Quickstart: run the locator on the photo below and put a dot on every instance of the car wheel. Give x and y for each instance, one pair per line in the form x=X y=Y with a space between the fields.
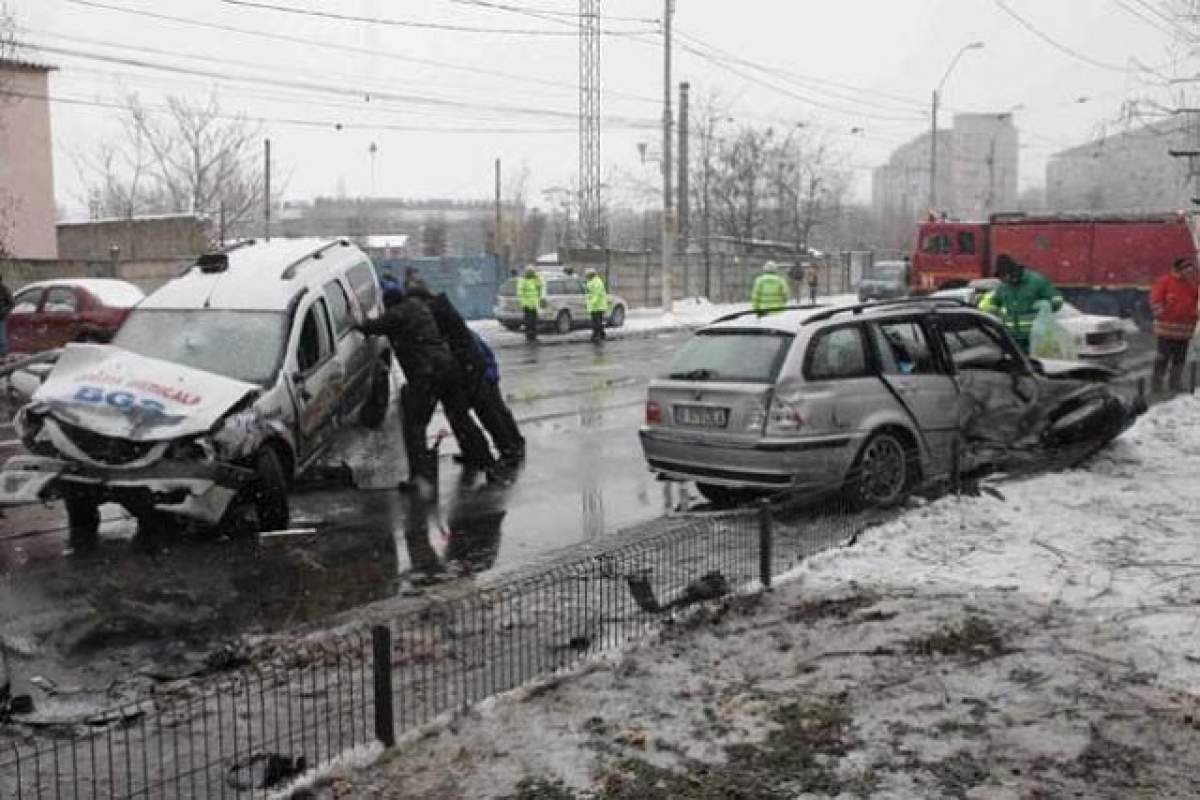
x=562 y=323
x=725 y=496
x=262 y=504
x=881 y=473
x=617 y=318
x=379 y=394
x=83 y=521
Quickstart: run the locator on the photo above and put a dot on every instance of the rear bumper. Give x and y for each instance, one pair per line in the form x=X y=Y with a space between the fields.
x=811 y=461
x=195 y=491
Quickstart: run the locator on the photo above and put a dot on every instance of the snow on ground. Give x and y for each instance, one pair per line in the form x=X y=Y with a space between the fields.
x=1039 y=645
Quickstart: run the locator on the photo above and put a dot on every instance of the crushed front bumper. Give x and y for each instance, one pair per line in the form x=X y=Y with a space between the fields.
x=199 y=491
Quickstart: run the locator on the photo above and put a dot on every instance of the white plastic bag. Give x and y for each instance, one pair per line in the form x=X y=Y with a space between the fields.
x=1048 y=339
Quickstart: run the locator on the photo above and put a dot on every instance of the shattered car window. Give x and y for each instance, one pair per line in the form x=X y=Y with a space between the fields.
x=973 y=344
x=244 y=345
x=903 y=348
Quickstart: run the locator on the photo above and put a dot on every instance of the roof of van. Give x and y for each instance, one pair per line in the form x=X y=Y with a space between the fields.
x=259 y=276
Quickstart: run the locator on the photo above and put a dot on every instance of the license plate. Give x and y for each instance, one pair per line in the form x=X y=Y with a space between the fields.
x=702 y=416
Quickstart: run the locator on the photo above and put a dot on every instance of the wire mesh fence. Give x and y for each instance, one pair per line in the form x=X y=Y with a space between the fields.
x=261 y=726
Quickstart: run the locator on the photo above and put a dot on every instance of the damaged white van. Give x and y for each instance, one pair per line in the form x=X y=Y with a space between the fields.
x=218 y=390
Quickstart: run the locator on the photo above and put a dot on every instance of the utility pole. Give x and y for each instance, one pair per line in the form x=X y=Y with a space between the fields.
x=668 y=216
x=267 y=190
x=684 y=87
x=496 y=245
x=933 y=157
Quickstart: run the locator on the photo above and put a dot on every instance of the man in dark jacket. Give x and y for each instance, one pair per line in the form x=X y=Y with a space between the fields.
x=431 y=375
x=480 y=375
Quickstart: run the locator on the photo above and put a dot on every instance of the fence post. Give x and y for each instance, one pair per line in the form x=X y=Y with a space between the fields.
x=765 y=542
x=381 y=669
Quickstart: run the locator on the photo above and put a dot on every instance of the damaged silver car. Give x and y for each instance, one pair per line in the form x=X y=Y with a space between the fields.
x=216 y=393
x=869 y=400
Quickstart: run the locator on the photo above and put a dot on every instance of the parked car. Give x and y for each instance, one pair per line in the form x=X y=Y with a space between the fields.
x=564 y=310
x=48 y=314
x=218 y=391
x=1096 y=337
x=864 y=399
x=884 y=280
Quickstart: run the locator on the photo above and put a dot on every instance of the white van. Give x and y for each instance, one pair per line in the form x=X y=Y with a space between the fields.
x=218 y=391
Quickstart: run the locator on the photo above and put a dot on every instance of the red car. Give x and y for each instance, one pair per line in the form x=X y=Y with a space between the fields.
x=48 y=314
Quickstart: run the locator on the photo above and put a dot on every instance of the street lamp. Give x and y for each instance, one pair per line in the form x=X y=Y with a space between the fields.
x=934 y=130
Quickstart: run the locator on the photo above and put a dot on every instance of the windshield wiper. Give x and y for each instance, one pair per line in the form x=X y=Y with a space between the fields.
x=701 y=374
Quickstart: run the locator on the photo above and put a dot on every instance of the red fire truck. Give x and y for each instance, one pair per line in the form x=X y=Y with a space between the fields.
x=1104 y=264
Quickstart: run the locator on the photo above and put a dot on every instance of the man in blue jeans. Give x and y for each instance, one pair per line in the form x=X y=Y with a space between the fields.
x=6 y=305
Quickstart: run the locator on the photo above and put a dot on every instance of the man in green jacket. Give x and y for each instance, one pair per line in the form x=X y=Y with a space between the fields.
x=530 y=291
x=1018 y=296
x=597 y=303
x=770 y=292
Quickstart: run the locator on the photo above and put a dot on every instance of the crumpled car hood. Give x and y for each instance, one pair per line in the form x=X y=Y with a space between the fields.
x=117 y=393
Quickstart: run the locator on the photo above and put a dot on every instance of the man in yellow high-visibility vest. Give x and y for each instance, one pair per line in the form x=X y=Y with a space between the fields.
x=770 y=292
x=530 y=291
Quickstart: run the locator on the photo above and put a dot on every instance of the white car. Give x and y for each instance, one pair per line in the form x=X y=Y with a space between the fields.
x=1096 y=337
x=216 y=393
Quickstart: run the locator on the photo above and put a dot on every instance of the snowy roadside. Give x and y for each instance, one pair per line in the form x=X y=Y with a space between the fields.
x=1036 y=645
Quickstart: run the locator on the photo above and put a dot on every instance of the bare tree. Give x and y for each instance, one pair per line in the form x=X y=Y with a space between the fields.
x=184 y=157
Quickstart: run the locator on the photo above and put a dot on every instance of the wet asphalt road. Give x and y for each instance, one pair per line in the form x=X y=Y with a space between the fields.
x=87 y=621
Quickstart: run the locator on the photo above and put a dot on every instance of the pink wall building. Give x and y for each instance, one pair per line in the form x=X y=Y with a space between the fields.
x=27 y=211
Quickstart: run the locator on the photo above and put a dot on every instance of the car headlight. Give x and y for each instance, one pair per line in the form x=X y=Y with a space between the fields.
x=198 y=448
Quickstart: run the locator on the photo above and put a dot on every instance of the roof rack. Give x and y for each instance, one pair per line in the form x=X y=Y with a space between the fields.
x=737 y=314
x=290 y=271
x=950 y=302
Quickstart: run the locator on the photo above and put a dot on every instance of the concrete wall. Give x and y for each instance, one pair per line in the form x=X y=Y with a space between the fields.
x=27 y=209
x=147 y=275
x=168 y=236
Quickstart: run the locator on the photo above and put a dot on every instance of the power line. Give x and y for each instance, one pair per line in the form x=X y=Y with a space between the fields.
x=1062 y=48
x=1142 y=16
x=402 y=23
x=317 y=87
x=489 y=72
x=546 y=13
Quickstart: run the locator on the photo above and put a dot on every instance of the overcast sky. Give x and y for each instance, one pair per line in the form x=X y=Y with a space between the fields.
x=442 y=102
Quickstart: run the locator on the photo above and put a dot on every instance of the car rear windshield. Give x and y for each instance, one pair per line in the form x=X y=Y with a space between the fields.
x=731 y=355
x=508 y=288
x=244 y=345
x=887 y=272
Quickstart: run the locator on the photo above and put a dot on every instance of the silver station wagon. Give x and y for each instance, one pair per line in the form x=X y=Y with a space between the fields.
x=866 y=399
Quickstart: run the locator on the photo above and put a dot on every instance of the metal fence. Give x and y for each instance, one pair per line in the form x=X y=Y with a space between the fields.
x=261 y=726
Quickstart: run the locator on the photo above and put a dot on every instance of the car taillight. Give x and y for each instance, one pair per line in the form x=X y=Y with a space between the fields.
x=784 y=418
x=653 y=413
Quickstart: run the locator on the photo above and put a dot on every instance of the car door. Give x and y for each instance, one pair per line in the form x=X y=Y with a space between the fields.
x=911 y=365
x=23 y=319
x=350 y=347
x=317 y=380
x=59 y=320
x=577 y=293
x=999 y=397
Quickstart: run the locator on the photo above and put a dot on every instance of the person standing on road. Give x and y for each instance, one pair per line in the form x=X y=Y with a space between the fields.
x=431 y=377
x=1017 y=298
x=6 y=306
x=478 y=373
x=812 y=278
x=1173 y=300
x=530 y=294
x=597 y=304
x=770 y=292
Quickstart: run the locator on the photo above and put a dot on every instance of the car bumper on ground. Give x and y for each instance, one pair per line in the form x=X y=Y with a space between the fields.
x=812 y=461
x=201 y=492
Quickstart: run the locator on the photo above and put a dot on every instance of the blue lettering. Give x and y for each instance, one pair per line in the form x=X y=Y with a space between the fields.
x=89 y=394
x=120 y=399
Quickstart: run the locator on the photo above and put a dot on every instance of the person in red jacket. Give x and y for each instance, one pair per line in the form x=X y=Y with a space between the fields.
x=1173 y=299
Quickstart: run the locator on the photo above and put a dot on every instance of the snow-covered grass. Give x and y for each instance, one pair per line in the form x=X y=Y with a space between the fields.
x=1042 y=644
